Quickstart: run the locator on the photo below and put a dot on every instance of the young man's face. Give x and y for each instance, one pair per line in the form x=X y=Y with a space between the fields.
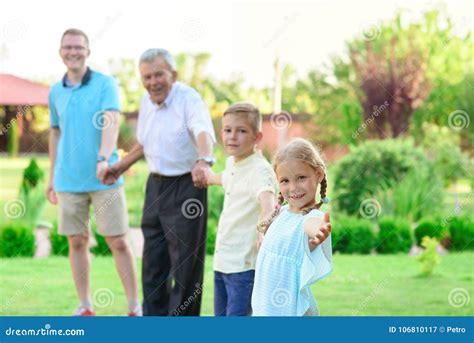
x=74 y=52
x=157 y=78
x=238 y=136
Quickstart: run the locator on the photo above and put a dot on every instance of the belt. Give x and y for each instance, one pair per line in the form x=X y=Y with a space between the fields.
x=159 y=177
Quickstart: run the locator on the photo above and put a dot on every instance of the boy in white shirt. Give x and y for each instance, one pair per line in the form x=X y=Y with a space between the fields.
x=250 y=192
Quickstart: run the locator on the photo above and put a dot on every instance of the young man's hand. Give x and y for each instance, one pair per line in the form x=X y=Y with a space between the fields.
x=111 y=174
x=51 y=194
x=101 y=168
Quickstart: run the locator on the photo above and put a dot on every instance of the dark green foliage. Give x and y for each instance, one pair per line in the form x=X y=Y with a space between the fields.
x=394 y=236
x=16 y=240
x=352 y=235
x=371 y=167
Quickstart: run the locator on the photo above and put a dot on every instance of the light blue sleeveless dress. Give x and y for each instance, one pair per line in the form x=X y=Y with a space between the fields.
x=286 y=268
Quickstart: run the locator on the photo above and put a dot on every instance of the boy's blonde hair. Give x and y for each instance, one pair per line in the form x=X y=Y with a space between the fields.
x=248 y=111
x=302 y=150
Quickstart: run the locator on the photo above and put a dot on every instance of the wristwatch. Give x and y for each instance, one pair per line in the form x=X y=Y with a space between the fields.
x=208 y=159
x=101 y=158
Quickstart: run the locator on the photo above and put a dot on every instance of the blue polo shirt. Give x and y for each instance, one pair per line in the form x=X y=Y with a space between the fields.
x=78 y=112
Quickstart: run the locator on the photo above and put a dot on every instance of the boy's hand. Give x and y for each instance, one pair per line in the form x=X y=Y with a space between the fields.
x=318 y=229
x=208 y=174
x=259 y=240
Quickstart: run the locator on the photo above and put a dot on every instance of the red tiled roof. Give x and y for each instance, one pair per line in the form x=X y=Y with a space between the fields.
x=17 y=91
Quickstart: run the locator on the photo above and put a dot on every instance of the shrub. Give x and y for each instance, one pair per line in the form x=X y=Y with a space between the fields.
x=59 y=243
x=352 y=235
x=429 y=258
x=394 y=236
x=431 y=228
x=16 y=240
x=443 y=148
x=417 y=195
x=372 y=166
x=32 y=195
x=32 y=176
x=461 y=230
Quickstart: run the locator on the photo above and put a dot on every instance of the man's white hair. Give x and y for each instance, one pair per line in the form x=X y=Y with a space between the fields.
x=151 y=54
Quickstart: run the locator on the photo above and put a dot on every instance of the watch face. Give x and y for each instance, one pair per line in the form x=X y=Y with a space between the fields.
x=208 y=159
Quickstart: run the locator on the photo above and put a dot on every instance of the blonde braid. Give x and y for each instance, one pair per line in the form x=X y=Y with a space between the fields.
x=264 y=225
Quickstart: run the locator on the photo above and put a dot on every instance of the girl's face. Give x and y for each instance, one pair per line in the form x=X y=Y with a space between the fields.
x=298 y=183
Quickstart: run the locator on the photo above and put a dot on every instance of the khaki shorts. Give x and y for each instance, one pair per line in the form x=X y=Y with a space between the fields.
x=110 y=210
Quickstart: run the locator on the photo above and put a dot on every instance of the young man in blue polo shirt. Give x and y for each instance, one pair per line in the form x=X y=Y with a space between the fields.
x=84 y=113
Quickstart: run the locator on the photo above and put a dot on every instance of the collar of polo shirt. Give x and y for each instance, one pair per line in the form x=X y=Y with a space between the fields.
x=85 y=79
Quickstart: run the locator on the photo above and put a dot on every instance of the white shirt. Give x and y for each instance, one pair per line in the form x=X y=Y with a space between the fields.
x=168 y=132
x=236 y=249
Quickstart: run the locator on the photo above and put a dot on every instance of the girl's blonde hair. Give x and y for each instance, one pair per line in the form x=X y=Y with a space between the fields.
x=302 y=150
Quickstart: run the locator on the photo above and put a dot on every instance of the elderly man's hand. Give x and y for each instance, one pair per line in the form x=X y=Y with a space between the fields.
x=199 y=173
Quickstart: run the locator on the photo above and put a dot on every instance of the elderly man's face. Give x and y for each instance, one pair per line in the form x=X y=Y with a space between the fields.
x=157 y=78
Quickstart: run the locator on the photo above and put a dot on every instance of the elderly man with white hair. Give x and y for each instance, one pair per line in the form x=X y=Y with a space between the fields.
x=176 y=135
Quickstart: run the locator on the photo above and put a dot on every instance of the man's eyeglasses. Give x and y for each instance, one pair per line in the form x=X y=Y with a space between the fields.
x=73 y=47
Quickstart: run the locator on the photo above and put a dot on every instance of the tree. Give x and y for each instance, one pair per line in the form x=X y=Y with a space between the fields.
x=125 y=72
x=421 y=69
x=411 y=63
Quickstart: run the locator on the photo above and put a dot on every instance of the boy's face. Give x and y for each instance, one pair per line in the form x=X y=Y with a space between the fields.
x=238 y=136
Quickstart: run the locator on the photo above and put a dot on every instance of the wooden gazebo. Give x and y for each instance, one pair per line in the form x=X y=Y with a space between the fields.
x=18 y=96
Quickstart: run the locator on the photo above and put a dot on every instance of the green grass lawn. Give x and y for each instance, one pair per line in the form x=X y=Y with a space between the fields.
x=360 y=285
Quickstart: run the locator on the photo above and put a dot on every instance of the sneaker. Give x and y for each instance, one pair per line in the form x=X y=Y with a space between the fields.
x=81 y=311
x=136 y=312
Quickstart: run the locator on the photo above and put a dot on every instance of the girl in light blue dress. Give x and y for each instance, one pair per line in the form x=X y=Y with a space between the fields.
x=296 y=251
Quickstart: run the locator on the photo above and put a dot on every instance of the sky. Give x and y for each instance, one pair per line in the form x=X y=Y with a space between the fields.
x=243 y=37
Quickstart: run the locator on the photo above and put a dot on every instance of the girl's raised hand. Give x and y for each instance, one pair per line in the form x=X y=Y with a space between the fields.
x=318 y=229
